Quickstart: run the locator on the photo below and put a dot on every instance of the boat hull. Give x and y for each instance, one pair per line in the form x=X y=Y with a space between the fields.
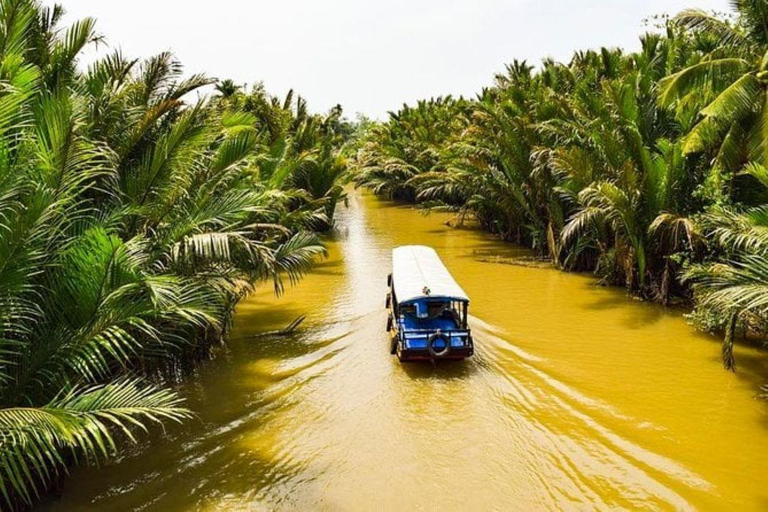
x=457 y=354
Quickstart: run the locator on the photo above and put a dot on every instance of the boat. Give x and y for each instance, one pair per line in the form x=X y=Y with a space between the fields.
x=427 y=308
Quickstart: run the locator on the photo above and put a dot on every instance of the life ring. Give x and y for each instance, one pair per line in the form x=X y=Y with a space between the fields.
x=431 y=345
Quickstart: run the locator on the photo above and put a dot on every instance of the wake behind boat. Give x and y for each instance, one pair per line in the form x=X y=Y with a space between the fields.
x=428 y=309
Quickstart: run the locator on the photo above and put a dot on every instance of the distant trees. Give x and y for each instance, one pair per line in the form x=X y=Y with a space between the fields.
x=646 y=168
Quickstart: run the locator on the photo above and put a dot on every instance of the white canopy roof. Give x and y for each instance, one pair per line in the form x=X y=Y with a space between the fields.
x=417 y=273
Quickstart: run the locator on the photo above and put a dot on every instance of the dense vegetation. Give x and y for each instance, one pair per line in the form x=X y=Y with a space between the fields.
x=648 y=168
x=131 y=222
x=133 y=218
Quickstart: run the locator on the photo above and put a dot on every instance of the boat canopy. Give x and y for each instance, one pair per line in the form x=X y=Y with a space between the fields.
x=418 y=273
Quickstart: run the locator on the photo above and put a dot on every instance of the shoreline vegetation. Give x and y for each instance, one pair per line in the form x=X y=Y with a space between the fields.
x=648 y=169
x=133 y=218
x=137 y=207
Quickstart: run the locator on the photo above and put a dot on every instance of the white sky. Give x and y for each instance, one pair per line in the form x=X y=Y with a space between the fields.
x=370 y=56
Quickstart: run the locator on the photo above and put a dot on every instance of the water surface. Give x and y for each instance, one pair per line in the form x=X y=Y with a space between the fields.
x=577 y=398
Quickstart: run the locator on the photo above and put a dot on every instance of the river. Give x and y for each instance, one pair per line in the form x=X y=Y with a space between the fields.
x=577 y=398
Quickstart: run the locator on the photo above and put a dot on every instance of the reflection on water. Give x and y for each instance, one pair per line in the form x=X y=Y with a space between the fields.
x=577 y=398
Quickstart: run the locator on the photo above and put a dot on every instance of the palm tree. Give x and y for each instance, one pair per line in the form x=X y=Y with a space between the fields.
x=489 y=169
x=636 y=208
x=227 y=88
x=297 y=152
x=320 y=175
x=51 y=170
x=726 y=84
x=577 y=160
x=731 y=289
x=408 y=145
x=618 y=170
x=131 y=223
x=35 y=442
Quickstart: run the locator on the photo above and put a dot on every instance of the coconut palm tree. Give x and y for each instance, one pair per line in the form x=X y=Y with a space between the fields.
x=730 y=289
x=53 y=342
x=36 y=442
x=131 y=223
x=227 y=88
x=728 y=82
x=489 y=169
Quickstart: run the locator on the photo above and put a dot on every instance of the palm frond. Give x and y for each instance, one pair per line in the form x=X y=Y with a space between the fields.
x=79 y=422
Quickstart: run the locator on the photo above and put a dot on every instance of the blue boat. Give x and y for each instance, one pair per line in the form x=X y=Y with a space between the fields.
x=427 y=308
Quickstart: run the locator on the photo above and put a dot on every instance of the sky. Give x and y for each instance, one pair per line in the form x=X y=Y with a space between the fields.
x=368 y=56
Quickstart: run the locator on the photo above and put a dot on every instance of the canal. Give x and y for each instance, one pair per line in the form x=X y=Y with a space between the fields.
x=578 y=397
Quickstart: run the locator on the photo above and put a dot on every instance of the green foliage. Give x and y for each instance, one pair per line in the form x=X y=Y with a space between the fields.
x=647 y=168
x=34 y=441
x=297 y=151
x=131 y=223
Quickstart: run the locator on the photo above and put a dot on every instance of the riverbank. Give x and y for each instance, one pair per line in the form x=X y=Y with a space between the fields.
x=646 y=167
x=578 y=396
x=138 y=205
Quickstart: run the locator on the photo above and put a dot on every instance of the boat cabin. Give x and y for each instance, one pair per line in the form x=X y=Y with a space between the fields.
x=427 y=308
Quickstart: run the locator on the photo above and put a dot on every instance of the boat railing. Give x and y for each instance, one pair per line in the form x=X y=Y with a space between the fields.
x=426 y=333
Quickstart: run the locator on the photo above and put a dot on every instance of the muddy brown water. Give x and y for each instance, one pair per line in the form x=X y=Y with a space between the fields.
x=578 y=398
